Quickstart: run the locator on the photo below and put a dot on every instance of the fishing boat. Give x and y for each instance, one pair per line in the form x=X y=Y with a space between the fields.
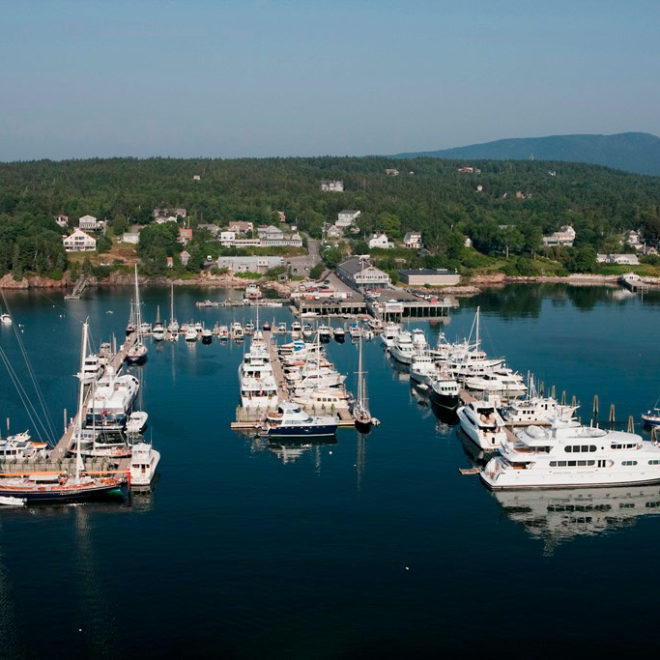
x=571 y=455
x=137 y=353
x=62 y=487
x=291 y=421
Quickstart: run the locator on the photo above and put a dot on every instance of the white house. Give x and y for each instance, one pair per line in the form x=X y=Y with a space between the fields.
x=334 y=232
x=379 y=240
x=62 y=220
x=259 y=264
x=328 y=185
x=270 y=233
x=620 y=259
x=185 y=257
x=88 y=223
x=240 y=226
x=413 y=240
x=564 y=237
x=79 y=241
x=346 y=218
x=227 y=238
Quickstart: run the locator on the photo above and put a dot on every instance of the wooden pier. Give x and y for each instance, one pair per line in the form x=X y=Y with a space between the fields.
x=57 y=461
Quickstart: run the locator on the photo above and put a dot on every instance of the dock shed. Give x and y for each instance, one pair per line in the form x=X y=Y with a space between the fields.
x=430 y=276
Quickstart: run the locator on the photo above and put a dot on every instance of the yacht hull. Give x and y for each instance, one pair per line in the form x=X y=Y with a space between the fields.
x=323 y=430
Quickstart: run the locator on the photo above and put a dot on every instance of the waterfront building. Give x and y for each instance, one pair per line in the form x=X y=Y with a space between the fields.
x=430 y=276
x=358 y=272
x=79 y=241
x=562 y=238
x=347 y=217
x=256 y=264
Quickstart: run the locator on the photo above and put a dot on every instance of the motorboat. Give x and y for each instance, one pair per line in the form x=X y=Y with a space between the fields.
x=307 y=331
x=482 y=423
x=21 y=446
x=5 y=319
x=339 y=333
x=402 y=350
x=237 y=332
x=207 y=336
x=144 y=461
x=281 y=328
x=92 y=369
x=324 y=332
x=190 y=333
x=423 y=369
x=158 y=331
x=535 y=410
x=389 y=334
x=291 y=421
x=137 y=422
x=445 y=392
x=571 y=455
x=223 y=333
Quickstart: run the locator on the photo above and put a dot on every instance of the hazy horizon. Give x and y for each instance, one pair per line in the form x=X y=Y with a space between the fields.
x=257 y=79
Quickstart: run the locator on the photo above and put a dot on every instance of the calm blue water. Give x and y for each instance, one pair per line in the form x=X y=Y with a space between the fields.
x=373 y=546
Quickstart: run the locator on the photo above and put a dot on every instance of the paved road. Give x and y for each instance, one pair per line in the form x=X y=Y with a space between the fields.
x=302 y=265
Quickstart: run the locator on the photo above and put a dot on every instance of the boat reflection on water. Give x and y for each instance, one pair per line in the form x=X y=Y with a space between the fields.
x=478 y=457
x=562 y=514
x=289 y=450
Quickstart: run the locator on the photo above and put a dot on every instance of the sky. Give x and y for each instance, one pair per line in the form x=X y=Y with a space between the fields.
x=217 y=78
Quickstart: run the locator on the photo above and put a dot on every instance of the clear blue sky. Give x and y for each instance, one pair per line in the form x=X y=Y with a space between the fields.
x=266 y=78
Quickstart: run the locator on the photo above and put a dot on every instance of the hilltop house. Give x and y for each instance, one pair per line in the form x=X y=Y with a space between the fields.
x=90 y=223
x=79 y=241
x=562 y=238
x=240 y=226
x=346 y=218
x=379 y=240
x=413 y=240
x=62 y=220
x=227 y=238
x=328 y=185
x=358 y=272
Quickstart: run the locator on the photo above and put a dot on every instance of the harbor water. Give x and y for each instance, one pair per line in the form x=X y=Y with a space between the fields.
x=369 y=546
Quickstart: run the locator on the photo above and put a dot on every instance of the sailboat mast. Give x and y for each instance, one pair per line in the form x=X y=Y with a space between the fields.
x=138 y=318
x=478 y=343
x=360 y=390
x=171 y=302
x=81 y=400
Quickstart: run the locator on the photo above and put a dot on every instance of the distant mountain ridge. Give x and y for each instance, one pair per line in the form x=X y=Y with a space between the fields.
x=633 y=152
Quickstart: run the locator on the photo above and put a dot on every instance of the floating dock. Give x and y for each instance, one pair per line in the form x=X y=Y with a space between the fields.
x=254 y=420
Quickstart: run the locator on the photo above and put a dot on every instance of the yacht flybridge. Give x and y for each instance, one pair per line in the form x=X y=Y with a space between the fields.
x=570 y=455
x=482 y=424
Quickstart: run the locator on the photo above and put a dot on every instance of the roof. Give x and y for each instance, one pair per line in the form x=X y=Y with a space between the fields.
x=427 y=271
x=354 y=265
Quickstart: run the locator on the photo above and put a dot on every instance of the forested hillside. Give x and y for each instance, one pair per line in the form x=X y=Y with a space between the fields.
x=505 y=205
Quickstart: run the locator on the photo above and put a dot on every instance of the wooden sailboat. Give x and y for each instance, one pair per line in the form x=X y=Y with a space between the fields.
x=361 y=413
x=137 y=354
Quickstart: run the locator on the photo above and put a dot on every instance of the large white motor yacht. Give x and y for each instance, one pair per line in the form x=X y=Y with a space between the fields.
x=402 y=350
x=144 y=461
x=482 y=424
x=572 y=455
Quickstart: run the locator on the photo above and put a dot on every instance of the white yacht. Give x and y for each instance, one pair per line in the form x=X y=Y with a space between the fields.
x=503 y=382
x=324 y=332
x=158 y=332
x=482 y=424
x=570 y=455
x=137 y=422
x=535 y=410
x=423 y=369
x=390 y=331
x=402 y=350
x=144 y=461
x=258 y=386
x=223 y=333
x=190 y=333
x=237 y=331
x=21 y=446
x=112 y=401
x=92 y=369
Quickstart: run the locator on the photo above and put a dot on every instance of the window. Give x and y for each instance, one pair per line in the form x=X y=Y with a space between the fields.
x=628 y=462
x=585 y=447
x=655 y=461
x=572 y=463
x=568 y=448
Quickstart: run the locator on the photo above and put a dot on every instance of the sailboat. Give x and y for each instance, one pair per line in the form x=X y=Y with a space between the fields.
x=61 y=487
x=363 y=418
x=158 y=331
x=173 y=326
x=137 y=354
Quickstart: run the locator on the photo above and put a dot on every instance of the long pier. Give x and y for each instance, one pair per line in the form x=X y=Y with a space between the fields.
x=57 y=461
x=251 y=422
